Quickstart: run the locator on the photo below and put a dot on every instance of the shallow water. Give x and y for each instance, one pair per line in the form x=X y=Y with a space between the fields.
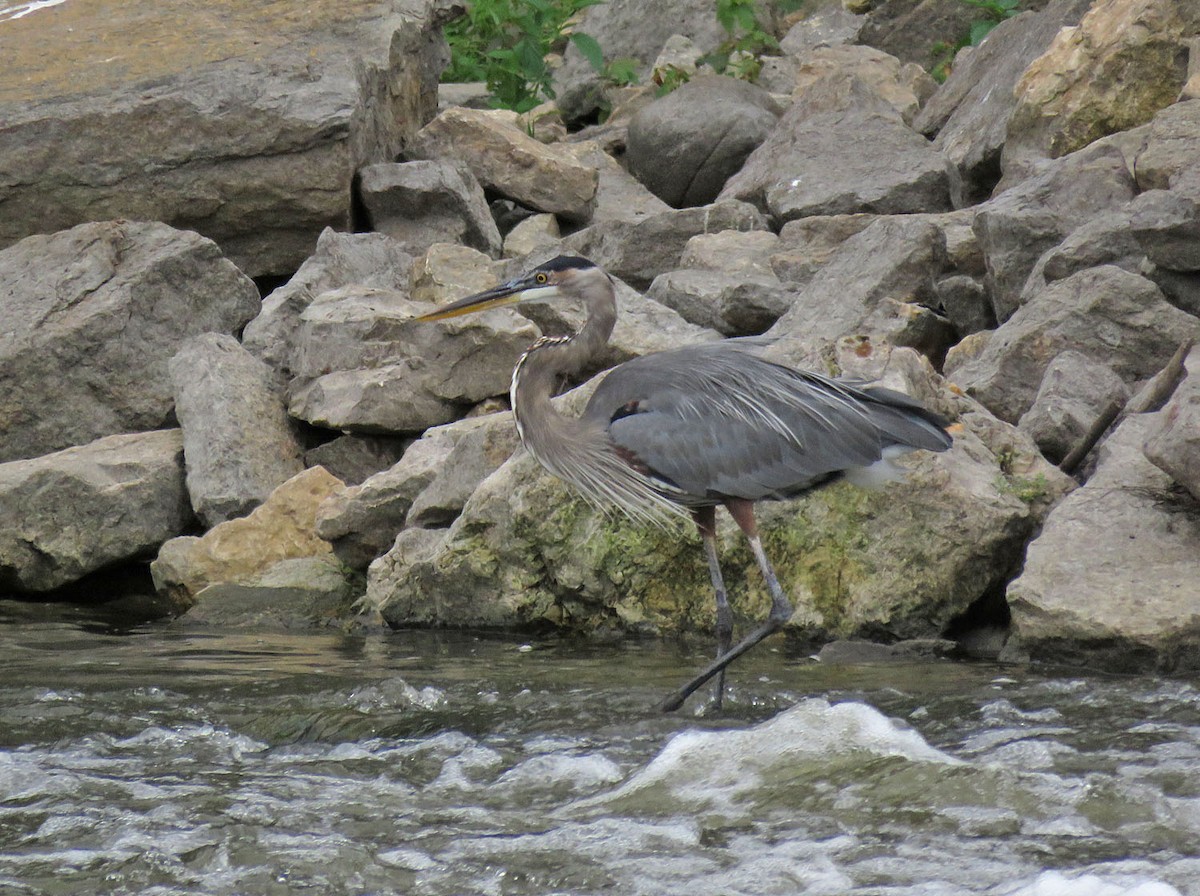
x=169 y=761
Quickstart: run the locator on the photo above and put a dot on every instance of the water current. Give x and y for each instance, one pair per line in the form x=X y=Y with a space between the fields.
x=167 y=760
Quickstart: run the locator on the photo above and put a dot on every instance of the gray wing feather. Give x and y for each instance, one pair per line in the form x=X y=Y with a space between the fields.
x=717 y=420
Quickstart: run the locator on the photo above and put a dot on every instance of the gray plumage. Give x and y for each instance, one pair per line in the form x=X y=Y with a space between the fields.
x=681 y=432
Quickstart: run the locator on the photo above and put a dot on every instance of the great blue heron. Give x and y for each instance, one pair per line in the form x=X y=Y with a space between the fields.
x=680 y=432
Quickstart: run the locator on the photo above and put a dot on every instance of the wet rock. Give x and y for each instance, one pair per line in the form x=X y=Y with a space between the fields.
x=1113 y=573
x=1017 y=226
x=86 y=508
x=506 y=160
x=238 y=551
x=363 y=364
x=1173 y=437
x=969 y=113
x=340 y=259
x=685 y=145
x=300 y=593
x=426 y=202
x=249 y=131
x=1074 y=392
x=1125 y=60
x=1166 y=225
x=237 y=441
x=1110 y=315
x=91 y=317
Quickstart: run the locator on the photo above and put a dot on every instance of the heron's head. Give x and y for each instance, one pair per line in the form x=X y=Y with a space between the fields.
x=564 y=276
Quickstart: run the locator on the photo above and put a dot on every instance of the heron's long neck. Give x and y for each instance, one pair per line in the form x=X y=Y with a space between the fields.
x=538 y=372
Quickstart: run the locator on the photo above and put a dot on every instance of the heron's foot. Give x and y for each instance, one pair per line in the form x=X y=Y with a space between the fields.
x=717 y=667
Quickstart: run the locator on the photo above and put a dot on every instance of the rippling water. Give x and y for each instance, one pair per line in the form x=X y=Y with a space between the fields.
x=169 y=761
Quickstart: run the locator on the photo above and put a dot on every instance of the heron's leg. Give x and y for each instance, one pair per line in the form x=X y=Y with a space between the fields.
x=781 y=609
x=706 y=522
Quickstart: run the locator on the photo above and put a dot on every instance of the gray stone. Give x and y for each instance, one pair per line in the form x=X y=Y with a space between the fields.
x=1074 y=392
x=79 y=510
x=535 y=232
x=506 y=160
x=619 y=195
x=1170 y=155
x=340 y=259
x=738 y=304
x=300 y=593
x=965 y=303
x=426 y=202
x=828 y=25
x=1166 y=225
x=91 y=317
x=806 y=244
x=484 y=444
x=247 y=127
x=1105 y=313
x=1107 y=239
x=353 y=458
x=1173 y=440
x=1113 y=571
x=238 y=444
x=685 y=145
x=1018 y=225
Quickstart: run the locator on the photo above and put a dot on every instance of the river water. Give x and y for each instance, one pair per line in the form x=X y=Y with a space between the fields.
x=163 y=760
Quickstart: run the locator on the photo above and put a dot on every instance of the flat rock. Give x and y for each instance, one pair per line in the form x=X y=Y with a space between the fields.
x=238 y=443
x=91 y=317
x=426 y=202
x=1107 y=314
x=240 y=550
x=506 y=160
x=250 y=121
x=1113 y=572
x=82 y=509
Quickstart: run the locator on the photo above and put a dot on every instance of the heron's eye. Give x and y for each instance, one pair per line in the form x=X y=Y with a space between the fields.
x=540 y=278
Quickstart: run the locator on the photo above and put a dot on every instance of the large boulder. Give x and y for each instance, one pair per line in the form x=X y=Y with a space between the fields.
x=245 y=123
x=1113 y=573
x=238 y=443
x=82 y=509
x=91 y=317
x=685 y=145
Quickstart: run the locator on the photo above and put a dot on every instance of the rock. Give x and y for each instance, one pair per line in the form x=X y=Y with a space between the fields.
x=969 y=113
x=965 y=304
x=1074 y=392
x=447 y=272
x=1106 y=239
x=363 y=364
x=484 y=444
x=731 y=304
x=806 y=244
x=297 y=593
x=803 y=168
x=619 y=195
x=86 y=508
x=872 y=284
x=238 y=551
x=1166 y=225
x=238 y=444
x=903 y=87
x=1109 y=315
x=535 y=232
x=912 y=29
x=340 y=259
x=1170 y=155
x=91 y=317
x=508 y=161
x=685 y=145
x=353 y=458
x=249 y=125
x=1173 y=437
x=638 y=251
x=1018 y=225
x=526 y=552
x=830 y=25
x=426 y=202
x=1113 y=572
x=1126 y=60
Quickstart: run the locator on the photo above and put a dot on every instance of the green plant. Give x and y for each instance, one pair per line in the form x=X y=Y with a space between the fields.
x=505 y=43
x=994 y=12
x=749 y=38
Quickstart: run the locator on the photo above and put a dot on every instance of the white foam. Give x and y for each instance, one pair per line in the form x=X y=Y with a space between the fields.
x=1055 y=883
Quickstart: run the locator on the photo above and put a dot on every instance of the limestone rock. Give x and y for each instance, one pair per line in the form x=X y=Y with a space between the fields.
x=1173 y=438
x=447 y=272
x=902 y=86
x=1114 y=569
x=1105 y=239
x=1105 y=313
x=79 y=510
x=1170 y=156
x=426 y=202
x=485 y=443
x=238 y=444
x=1167 y=226
x=353 y=458
x=736 y=304
x=535 y=232
x=619 y=195
x=300 y=593
x=282 y=528
x=508 y=161
x=1074 y=391
x=245 y=123
x=91 y=317
x=806 y=244
x=340 y=259
x=1124 y=61
x=685 y=145
x=363 y=364
x=1018 y=225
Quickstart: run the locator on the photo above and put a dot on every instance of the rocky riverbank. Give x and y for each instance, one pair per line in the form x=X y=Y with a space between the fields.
x=1018 y=247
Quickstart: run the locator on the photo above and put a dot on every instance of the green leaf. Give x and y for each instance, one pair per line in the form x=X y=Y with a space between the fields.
x=590 y=48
